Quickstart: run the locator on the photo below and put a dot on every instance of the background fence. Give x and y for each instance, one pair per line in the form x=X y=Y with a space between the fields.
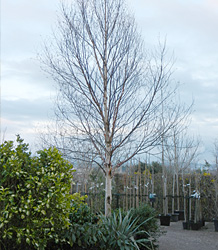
x=134 y=185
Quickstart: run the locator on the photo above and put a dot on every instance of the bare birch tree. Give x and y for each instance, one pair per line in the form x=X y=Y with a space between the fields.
x=110 y=99
x=181 y=151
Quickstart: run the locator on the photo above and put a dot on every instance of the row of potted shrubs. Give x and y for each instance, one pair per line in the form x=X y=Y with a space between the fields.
x=166 y=219
x=190 y=224
x=197 y=225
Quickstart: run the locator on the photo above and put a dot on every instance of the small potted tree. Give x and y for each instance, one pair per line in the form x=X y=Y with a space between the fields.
x=165 y=217
x=196 y=225
x=187 y=215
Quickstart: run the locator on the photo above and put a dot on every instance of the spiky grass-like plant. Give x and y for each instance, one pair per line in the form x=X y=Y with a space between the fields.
x=120 y=232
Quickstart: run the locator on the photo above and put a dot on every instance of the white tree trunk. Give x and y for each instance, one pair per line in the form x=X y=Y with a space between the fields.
x=184 y=196
x=164 y=177
x=177 y=189
x=108 y=193
x=189 y=200
x=173 y=194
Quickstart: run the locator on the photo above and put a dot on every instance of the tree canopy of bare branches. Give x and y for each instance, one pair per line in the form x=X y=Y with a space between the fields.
x=111 y=88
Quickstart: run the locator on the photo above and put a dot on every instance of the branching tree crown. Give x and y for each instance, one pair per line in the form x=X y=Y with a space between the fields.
x=111 y=90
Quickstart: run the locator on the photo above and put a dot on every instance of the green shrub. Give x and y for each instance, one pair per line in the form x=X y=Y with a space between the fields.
x=118 y=232
x=123 y=230
x=80 y=212
x=34 y=196
x=120 y=210
x=83 y=231
x=142 y=213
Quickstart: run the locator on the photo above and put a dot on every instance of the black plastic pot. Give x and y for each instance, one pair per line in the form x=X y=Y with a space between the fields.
x=174 y=217
x=216 y=224
x=195 y=225
x=202 y=222
x=164 y=220
x=181 y=214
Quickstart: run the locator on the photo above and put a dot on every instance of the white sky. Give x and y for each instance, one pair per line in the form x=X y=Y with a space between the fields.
x=191 y=30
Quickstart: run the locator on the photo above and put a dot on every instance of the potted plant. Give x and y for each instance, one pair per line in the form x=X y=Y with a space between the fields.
x=181 y=215
x=215 y=224
x=164 y=219
x=187 y=215
x=196 y=225
x=175 y=217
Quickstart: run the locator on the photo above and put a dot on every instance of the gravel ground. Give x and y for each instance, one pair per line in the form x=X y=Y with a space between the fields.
x=176 y=238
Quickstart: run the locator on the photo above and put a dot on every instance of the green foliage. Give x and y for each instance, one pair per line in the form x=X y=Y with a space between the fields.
x=80 y=211
x=122 y=230
x=83 y=231
x=156 y=166
x=84 y=236
x=209 y=195
x=120 y=210
x=118 y=232
x=146 y=213
x=34 y=196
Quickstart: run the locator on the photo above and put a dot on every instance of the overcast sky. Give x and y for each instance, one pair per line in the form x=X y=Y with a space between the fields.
x=190 y=27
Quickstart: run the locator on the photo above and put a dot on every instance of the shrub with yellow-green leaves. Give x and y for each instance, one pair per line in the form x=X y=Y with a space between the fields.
x=34 y=196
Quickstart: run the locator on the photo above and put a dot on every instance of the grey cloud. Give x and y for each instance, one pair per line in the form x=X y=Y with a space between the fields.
x=25 y=75
x=27 y=110
x=23 y=24
x=191 y=30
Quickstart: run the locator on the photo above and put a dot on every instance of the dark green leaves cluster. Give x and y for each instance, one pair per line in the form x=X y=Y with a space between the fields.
x=142 y=213
x=37 y=211
x=84 y=231
x=80 y=212
x=34 y=196
x=122 y=230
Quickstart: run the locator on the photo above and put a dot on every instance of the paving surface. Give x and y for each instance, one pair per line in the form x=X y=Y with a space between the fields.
x=176 y=238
